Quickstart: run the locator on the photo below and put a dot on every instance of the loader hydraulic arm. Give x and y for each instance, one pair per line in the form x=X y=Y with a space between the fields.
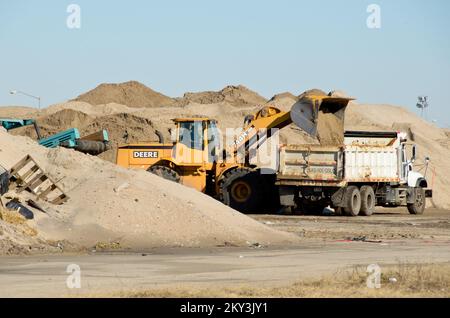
x=267 y=118
x=306 y=114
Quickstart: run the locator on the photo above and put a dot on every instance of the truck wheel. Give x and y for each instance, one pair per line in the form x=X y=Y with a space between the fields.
x=165 y=172
x=418 y=207
x=367 y=200
x=352 y=201
x=241 y=190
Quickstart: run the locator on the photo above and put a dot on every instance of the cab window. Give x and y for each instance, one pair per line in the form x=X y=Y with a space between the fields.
x=191 y=134
x=213 y=141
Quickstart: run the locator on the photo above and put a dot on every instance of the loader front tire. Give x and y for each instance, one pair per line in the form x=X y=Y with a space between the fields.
x=241 y=190
x=165 y=172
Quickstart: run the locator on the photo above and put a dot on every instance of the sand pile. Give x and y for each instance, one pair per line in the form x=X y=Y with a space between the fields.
x=283 y=101
x=18 y=112
x=111 y=206
x=330 y=130
x=18 y=237
x=239 y=96
x=132 y=94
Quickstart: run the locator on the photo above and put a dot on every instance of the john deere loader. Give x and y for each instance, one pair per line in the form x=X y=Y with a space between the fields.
x=197 y=159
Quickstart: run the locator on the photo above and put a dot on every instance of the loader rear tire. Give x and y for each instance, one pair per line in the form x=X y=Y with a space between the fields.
x=165 y=172
x=241 y=190
x=367 y=201
x=418 y=207
x=352 y=201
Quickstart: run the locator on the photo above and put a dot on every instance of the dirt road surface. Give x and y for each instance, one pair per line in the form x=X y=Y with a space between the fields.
x=385 y=225
x=330 y=244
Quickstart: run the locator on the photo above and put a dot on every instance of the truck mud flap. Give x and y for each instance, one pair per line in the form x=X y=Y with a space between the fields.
x=338 y=197
x=428 y=193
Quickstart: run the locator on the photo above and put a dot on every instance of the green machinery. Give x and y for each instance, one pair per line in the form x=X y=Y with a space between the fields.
x=93 y=144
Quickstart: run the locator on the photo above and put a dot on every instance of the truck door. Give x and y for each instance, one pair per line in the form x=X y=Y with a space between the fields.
x=404 y=164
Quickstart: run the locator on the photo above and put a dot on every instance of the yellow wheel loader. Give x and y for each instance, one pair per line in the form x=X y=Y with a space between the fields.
x=197 y=159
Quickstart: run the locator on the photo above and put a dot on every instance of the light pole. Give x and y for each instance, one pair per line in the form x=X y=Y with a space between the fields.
x=422 y=104
x=15 y=92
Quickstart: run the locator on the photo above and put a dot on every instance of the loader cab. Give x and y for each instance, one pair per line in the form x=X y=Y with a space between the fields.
x=197 y=141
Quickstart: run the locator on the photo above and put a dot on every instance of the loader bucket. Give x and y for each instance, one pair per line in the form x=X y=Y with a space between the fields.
x=321 y=117
x=304 y=115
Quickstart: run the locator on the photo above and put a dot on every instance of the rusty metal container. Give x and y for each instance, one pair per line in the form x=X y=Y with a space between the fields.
x=366 y=157
x=310 y=165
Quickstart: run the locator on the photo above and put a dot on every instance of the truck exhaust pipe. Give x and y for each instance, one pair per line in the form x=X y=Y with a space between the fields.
x=160 y=136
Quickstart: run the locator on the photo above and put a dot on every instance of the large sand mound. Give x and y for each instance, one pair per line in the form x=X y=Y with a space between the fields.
x=116 y=207
x=17 y=112
x=132 y=94
x=232 y=95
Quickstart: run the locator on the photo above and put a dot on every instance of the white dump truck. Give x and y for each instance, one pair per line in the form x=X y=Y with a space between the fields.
x=370 y=169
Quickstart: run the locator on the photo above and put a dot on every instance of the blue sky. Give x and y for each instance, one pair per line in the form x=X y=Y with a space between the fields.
x=269 y=46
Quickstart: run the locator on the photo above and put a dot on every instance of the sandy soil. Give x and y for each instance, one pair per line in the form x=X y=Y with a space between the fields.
x=112 y=206
x=132 y=94
x=328 y=245
x=384 y=225
x=197 y=269
x=400 y=280
x=239 y=96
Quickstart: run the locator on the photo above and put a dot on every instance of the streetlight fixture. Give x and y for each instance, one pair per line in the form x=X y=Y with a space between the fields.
x=15 y=92
x=422 y=104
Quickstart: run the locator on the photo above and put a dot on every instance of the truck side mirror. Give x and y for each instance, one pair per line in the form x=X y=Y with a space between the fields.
x=413 y=158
